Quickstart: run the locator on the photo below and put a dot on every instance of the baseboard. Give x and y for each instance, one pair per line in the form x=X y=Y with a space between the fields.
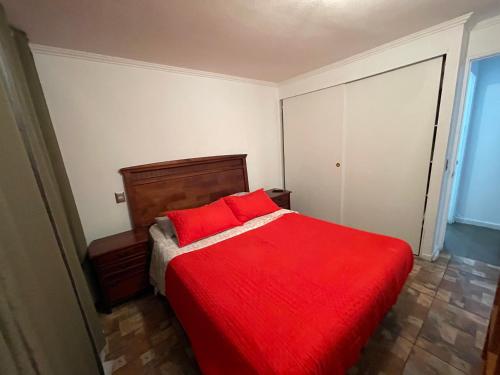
x=106 y=365
x=104 y=351
x=430 y=257
x=479 y=223
x=426 y=257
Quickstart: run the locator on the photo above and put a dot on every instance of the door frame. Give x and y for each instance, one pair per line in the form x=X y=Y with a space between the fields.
x=455 y=138
x=463 y=133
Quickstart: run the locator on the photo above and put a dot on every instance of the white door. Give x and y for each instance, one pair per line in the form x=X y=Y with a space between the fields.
x=312 y=136
x=389 y=127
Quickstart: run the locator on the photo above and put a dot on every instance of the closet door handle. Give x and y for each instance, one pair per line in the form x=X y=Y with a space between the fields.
x=337 y=165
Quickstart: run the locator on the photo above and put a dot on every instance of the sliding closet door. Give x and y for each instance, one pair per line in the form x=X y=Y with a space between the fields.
x=389 y=125
x=312 y=146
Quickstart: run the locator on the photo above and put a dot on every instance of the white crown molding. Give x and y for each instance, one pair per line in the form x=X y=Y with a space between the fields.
x=89 y=56
x=379 y=49
x=487 y=23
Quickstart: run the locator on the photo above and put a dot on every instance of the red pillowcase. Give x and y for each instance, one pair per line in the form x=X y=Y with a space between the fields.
x=194 y=224
x=251 y=205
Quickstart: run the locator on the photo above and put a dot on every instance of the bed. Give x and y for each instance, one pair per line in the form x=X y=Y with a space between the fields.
x=282 y=294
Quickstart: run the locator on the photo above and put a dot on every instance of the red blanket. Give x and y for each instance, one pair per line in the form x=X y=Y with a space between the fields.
x=295 y=296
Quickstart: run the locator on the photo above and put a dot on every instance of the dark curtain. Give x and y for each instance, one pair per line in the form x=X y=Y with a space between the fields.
x=49 y=137
x=25 y=117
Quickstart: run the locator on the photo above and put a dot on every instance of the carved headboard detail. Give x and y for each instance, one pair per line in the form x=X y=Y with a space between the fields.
x=180 y=184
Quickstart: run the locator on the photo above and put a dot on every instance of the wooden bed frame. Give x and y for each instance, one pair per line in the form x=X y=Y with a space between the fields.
x=180 y=184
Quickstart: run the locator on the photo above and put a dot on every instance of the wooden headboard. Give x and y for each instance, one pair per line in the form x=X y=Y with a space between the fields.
x=180 y=184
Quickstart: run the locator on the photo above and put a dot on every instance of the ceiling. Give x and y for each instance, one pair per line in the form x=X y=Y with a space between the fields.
x=270 y=40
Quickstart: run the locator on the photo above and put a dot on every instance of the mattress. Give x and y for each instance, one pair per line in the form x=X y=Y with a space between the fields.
x=296 y=295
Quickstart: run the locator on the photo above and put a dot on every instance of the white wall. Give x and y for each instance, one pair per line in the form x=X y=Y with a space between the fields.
x=478 y=199
x=447 y=38
x=111 y=115
x=484 y=40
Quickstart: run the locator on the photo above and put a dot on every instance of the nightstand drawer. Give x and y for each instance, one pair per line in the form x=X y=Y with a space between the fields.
x=120 y=274
x=283 y=201
x=121 y=255
x=119 y=290
x=136 y=260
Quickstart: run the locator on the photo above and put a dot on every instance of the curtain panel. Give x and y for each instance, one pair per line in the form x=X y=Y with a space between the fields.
x=31 y=160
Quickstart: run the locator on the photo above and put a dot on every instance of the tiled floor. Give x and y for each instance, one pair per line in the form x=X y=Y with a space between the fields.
x=438 y=326
x=473 y=242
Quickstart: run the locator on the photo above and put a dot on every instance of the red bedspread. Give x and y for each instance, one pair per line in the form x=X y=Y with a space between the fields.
x=295 y=296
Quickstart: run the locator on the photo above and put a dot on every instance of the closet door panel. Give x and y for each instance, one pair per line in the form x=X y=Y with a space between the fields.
x=312 y=133
x=389 y=133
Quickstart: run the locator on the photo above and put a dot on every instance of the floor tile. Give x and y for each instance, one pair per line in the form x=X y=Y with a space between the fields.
x=473 y=242
x=475 y=267
x=421 y=362
x=465 y=290
x=385 y=353
x=407 y=316
x=443 y=258
x=454 y=335
x=426 y=276
x=118 y=363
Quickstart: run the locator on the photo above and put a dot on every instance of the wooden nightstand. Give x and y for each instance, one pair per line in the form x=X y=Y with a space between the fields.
x=121 y=265
x=280 y=197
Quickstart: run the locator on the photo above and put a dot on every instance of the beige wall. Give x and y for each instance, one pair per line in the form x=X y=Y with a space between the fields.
x=484 y=40
x=110 y=115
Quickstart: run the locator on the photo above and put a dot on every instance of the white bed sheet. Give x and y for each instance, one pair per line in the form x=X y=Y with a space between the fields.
x=165 y=248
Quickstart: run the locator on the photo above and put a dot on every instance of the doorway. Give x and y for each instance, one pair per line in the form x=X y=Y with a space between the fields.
x=473 y=229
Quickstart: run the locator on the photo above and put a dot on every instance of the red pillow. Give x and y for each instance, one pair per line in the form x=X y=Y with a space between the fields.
x=251 y=205
x=194 y=224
